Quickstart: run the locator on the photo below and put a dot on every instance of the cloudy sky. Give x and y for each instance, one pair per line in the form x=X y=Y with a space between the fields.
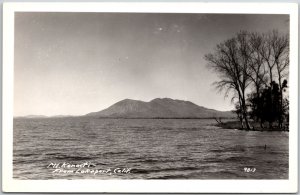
x=76 y=63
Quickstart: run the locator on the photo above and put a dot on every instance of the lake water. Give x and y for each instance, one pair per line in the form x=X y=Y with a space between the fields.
x=55 y=148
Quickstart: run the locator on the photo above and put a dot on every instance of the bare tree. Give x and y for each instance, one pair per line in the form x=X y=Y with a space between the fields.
x=258 y=71
x=275 y=53
x=231 y=62
x=280 y=56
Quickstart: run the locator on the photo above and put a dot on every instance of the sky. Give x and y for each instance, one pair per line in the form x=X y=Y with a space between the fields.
x=76 y=63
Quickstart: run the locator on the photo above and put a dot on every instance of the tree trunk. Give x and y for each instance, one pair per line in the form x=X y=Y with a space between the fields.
x=261 y=124
x=270 y=72
x=246 y=121
x=280 y=103
x=244 y=112
x=258 y=115
x=239 y=113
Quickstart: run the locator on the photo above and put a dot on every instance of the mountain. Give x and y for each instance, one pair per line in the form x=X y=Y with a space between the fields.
x=159 y=108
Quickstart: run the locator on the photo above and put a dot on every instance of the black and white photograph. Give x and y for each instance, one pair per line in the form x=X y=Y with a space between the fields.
x=151 y=96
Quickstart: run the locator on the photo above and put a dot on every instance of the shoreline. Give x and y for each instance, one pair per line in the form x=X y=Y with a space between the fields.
x=121 y=117
x=255 y=126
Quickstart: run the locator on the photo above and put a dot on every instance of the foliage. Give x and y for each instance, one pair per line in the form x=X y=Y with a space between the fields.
x=267 y=106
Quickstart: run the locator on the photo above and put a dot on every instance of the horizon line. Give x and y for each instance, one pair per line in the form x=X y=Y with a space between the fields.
x=71 y=115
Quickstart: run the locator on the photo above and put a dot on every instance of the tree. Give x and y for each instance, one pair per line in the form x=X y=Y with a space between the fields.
x=280 y=48
x=231 y=62
x=266 y=110
x=254 y=67
x=271 y=53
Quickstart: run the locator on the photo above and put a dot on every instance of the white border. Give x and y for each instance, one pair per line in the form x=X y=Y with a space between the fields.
x=213 y=186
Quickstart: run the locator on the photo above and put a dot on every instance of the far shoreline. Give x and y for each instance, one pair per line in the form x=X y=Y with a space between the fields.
x=53 y=117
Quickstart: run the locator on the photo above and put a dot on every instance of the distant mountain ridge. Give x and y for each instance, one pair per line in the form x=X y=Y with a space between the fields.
x=159 y=108
x=43 y=116
x=32 y=116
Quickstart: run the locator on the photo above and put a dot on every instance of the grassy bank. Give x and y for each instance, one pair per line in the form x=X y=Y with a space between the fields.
x=254 y=126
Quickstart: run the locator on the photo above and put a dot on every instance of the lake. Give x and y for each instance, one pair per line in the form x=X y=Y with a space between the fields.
x=90 y=148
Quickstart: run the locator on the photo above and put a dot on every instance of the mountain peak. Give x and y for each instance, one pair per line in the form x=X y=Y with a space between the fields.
x=169 y=100
x=128 y=101
x=161 y=99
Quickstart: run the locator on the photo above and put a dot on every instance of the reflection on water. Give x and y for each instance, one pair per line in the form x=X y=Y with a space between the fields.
x=151 y=148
